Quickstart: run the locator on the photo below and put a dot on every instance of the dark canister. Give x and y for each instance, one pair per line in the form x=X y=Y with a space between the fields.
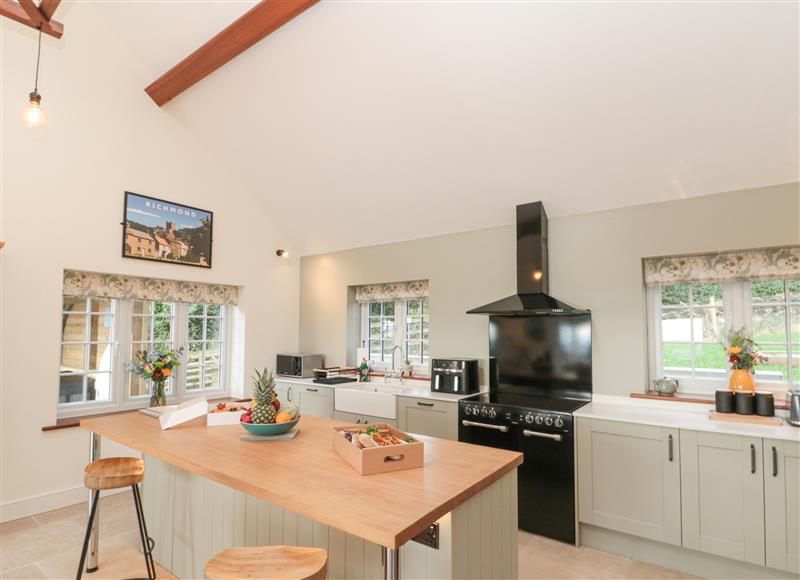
x=765 y=404
x=745 y=403
x=723 y=401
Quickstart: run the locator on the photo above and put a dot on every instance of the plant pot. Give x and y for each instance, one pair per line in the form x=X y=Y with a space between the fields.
x=741 y=380
x=158 y=395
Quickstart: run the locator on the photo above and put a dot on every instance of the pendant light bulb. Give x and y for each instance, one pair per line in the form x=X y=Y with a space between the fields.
x=33 y=114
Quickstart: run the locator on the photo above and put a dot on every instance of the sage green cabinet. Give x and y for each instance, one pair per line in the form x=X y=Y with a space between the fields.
x=629 y=478
x=313 y=400
x=356 y=419
x=723 y=495
x=425 y=416
x=782 y=504
x=283 y=391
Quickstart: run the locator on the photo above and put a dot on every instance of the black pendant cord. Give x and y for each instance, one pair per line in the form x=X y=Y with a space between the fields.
x=38 y=57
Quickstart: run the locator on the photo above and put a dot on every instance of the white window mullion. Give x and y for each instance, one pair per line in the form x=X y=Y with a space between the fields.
x=180 y=337
x=656 y=366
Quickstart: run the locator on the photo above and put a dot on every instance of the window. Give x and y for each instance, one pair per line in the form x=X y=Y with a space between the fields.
x=689 y=322
x=387 y=324
x=87 y=350
x=101 y=336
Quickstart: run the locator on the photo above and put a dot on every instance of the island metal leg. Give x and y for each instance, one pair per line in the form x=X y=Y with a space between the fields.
x=94 y=541
x=391 y=563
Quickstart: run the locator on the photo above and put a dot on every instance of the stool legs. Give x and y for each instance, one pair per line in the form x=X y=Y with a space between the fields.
x=92 y=514
x=147 y=541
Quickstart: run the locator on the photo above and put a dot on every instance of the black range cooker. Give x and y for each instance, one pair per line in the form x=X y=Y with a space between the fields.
x=540 y=351
x=541 y=428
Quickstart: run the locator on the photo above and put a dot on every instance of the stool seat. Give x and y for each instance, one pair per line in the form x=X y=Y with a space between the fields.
x=268 y=563
x=113 y=473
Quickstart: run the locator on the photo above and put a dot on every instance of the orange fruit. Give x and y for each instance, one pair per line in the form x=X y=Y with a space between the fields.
x=283 y=418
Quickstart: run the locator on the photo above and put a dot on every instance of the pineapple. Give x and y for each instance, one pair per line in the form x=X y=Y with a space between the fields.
x=264 y=395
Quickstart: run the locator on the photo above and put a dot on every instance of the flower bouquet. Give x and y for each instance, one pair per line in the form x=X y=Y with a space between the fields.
x=744 y=356
x=156 y=367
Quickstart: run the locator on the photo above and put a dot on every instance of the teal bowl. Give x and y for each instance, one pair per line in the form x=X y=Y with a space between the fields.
x=269 y=428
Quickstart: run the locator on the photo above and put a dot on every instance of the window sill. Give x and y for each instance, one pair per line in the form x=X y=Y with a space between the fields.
x=69 y=422
x=780 y=402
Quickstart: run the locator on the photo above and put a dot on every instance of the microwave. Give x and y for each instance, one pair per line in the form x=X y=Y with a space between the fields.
x=297 y=365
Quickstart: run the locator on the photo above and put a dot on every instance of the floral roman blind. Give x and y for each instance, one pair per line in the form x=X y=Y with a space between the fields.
x=757 y=264
x=393 y=291
x=78 y=283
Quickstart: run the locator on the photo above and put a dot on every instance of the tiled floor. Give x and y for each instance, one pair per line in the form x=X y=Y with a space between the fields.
x=48 y=546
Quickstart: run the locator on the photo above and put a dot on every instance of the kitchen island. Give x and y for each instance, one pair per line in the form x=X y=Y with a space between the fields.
x=206 y=490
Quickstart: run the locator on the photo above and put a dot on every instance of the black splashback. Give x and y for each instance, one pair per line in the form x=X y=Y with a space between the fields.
x=542 y=355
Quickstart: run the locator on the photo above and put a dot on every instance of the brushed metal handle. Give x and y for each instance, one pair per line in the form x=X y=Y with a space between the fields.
x=502 y=428
x=389 y=458
x=424 y=404
x=670 y=448
x=552 y=436
x=774 y=462
x=752 y=458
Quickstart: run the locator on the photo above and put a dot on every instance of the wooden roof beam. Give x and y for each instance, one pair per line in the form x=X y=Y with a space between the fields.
x=26 y=12
x=264 y=18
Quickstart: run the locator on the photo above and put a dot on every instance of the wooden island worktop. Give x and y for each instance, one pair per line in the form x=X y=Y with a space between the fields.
x=306 y=477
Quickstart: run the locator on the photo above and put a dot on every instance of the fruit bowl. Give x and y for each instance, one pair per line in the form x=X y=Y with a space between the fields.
x=269 y=428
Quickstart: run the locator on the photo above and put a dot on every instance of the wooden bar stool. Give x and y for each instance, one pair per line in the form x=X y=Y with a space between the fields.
x=268 y=563
x=115 y=473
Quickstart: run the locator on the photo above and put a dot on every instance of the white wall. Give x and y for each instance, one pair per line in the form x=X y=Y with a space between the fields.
x=61 y=207
x=595 y=262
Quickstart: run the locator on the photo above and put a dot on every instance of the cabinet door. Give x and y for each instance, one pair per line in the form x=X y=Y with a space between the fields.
x=428 y=417
x=282 y=390
x=782 y=504
x=722 y=479
x=317 y=401
x=629 y=478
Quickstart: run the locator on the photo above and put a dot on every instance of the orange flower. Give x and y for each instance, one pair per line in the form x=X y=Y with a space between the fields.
x=166 y=372
x=734 y=349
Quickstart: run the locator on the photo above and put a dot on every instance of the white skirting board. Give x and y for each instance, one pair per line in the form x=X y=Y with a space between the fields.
x=192 y=518
x=30 y=506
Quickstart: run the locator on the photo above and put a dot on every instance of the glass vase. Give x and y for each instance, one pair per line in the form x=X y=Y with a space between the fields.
x=158 y=395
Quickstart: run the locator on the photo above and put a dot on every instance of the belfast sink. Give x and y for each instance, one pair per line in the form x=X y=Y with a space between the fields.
x=378 y=400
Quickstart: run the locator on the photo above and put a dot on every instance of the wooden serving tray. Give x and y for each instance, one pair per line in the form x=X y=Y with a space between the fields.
x=372 y=460
x=752 y=419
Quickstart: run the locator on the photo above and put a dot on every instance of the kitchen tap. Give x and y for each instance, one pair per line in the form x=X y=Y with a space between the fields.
x=395 y=373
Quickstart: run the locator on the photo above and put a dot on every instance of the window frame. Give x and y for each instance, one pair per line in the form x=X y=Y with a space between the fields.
x=738 y=306
x=399 y=338
x=121 y=399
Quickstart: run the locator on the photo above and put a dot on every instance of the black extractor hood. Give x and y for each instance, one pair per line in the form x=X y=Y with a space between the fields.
x=532 y=273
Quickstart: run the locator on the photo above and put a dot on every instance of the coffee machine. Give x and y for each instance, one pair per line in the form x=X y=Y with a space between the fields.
x=794 y=407
x=455 y=375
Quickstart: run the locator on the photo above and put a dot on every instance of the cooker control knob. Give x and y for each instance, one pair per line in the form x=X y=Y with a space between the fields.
x=529 y=418
x=548 y=421
x=468 y=410
x=559 y=422
x=539 y=419
x=492 y=413
x=484 y=412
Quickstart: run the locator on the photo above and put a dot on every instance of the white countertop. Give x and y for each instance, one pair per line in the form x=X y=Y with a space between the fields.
x=677 y=415
x=410 y=388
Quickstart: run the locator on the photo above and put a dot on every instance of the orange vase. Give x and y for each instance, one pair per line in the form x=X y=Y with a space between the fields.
x=741 y=380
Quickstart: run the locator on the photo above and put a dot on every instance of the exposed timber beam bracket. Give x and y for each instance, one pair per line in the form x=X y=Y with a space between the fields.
x=26 y=12
x=264 y=18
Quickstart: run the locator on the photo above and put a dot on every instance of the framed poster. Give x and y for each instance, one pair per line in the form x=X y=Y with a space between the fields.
x=155 y=229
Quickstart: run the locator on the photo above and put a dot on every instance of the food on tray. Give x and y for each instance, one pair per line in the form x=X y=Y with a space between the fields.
x=283 y=417
x=225 y=408
x=264 y=410
x=373 y=437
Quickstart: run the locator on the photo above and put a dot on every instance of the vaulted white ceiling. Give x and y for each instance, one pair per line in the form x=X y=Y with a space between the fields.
x=367 y=122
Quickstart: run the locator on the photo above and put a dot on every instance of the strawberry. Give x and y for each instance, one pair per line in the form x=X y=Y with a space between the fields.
x=221 y=406
x=245 y=418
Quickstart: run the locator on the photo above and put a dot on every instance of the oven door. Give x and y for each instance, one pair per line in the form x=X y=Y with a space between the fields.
x=478 y=432
x=546 y=484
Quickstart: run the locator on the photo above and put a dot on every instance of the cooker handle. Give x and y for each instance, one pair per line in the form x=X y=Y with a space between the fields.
x=552 y=436
x=502 y=428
